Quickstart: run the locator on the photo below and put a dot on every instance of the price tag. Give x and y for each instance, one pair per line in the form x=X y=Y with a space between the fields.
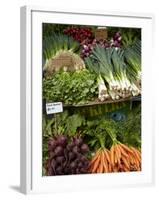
x=52 y=108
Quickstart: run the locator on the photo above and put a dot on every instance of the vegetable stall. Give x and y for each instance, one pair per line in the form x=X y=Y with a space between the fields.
x=95 y=72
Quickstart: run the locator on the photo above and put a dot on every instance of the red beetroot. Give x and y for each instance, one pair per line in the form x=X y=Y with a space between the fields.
x=67 y=157
x=58 y=151
x=78 y=141
x=52 y=144
x=84 y=148
x=62 y=140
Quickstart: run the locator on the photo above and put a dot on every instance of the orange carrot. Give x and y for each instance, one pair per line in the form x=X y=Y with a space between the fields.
x=112 y=156
x=96 y=164
x=116 y=154
x=126 y=163
x=126 y=148
x=122 y=151
x=95 y=157
x=107 y=154
x=105 y=162
x=119 y=152
x=136 y=153
x=101 y=167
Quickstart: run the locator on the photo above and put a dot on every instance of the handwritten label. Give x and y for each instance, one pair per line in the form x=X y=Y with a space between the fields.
x=52 y=108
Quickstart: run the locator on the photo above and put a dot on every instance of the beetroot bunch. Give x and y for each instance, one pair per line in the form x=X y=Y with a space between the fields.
x=67 y=156
x=79 y=34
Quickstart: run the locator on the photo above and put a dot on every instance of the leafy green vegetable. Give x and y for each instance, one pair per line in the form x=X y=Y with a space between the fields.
x=78 y=87
x=129 y=131
x=102 y=130
x=72 y=123
x=99 y=132
x=62 y=123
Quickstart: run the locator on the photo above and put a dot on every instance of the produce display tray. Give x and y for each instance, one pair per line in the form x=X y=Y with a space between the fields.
x=137 y=98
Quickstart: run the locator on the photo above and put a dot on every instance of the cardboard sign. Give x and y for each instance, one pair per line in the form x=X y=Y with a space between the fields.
x=63 y=61
x=59 y=63
x=52 y=108
x=101 y=34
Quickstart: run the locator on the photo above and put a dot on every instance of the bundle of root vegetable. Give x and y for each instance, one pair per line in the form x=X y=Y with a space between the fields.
x=120 y=158
x=67 y=156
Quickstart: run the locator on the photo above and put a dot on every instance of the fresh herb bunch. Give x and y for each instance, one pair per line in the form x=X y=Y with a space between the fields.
x=101 y=131
x=129 y=131
x=98 y=133
x=77 y=87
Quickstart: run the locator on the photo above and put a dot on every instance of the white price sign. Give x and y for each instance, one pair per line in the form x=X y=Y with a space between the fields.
x=52 y=108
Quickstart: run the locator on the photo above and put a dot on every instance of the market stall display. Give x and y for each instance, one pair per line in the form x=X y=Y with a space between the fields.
x=96 y=78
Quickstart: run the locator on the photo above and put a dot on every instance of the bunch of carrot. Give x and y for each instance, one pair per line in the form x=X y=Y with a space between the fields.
x=101 y=162
x=120 y=158
x=124 y=158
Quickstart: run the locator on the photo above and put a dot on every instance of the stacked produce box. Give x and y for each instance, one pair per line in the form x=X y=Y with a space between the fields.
x=97 y=79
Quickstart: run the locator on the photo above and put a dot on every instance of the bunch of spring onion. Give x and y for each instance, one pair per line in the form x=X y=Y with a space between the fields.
x=125 y=87
x=132 y=56
x=114 y=75
x=102 y=89
x=57 y=43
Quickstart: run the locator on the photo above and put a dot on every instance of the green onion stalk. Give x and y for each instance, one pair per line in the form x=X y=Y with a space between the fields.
x=102 y=89
x=119 y=71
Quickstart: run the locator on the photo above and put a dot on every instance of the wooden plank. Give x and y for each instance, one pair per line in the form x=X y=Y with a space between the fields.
x=105 y=102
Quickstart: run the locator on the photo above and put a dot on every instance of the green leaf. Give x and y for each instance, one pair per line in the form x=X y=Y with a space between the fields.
x=73 y=122
x=71 y=87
